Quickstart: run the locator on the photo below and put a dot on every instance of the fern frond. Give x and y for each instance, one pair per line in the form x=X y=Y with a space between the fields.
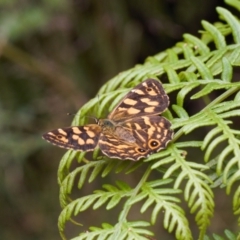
x=230 y=235
x=128 y=230
x=64 y=166
x=94 y=168
x=232 y=22
x=215 y=35
x=197 y=192
x=111 y=193
x=236 y=203
x=174 y=218
x=195 y=72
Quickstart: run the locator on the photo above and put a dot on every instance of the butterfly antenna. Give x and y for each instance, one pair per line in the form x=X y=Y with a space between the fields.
x=95 y=119
x=71 y=114
x=74 y=114
x=98 y=104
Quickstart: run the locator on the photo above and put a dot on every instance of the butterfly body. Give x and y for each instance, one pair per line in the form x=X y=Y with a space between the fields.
x=106 y=125
x=133 y=130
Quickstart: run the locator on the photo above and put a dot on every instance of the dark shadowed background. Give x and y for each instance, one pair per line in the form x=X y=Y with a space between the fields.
x=55 y=55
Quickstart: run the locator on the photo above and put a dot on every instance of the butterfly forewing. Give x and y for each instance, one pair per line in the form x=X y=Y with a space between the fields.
x=83 y=138
x=147 y=98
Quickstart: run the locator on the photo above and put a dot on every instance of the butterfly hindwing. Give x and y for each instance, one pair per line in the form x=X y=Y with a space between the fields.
x=137 y=138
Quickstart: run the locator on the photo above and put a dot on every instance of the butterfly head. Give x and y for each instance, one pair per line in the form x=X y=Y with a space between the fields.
x=106 y=125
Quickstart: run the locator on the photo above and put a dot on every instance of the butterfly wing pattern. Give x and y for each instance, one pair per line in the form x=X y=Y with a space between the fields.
x=147 y=98
x=133 y=130
x=79 y=138
x=142 y=137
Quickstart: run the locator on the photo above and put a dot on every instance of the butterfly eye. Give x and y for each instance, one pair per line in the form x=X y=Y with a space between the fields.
x=154 y=143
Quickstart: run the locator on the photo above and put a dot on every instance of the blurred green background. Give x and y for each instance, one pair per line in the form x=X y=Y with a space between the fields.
x=55 y=55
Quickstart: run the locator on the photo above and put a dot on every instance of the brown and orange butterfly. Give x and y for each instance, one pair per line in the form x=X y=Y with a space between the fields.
x=133 y=130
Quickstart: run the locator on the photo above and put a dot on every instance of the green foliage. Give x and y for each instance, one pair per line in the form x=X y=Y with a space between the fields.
x=194 y=71
x=25 y=20
x=230 y=235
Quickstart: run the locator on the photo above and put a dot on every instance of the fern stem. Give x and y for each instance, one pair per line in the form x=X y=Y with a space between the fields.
x=127 y=206
x=222 y=97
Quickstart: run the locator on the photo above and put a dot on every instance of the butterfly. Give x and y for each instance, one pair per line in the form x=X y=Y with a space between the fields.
x=133 y=130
